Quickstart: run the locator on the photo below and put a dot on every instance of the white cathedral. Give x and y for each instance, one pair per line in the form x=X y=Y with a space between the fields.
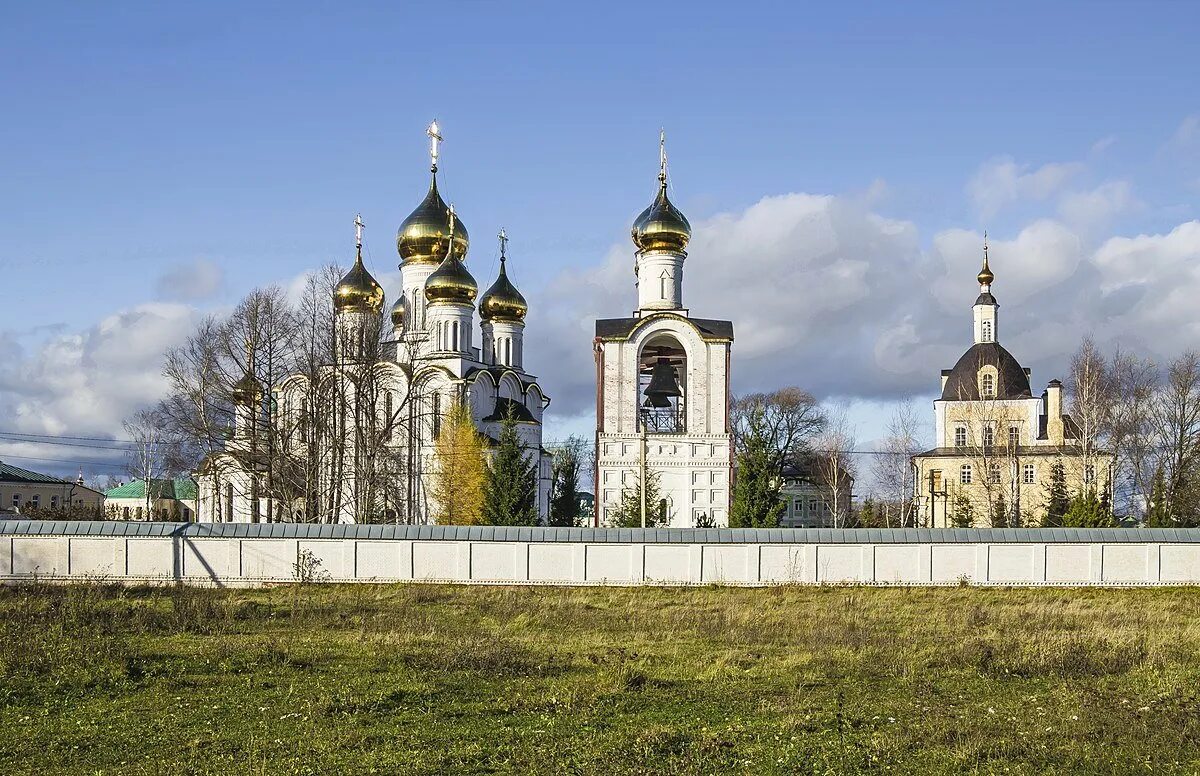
x=433 y=359
x=662 y=405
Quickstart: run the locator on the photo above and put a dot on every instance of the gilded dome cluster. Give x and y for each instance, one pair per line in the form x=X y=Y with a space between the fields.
x=451 y=282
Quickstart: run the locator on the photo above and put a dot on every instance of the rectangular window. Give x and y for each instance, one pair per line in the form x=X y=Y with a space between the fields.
x=960 y=436
x=989 y=436
x=36 y=500
x=994 y=474
x=17 y=500
x=987 y=331
x=1014 y=436
x=54 y=502
x=812 y=506
x=935 y=479
x=964 y=474
x=1029 y=475
x=437 y=415
x=1089 y=473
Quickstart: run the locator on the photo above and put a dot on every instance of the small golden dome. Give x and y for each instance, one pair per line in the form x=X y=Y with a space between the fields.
x=247 y=392
x=422 y=237
x=358 y=291
x=661 y=227
x=985 y=276
x=503 y=302
x=399 y=311
x=451 y=282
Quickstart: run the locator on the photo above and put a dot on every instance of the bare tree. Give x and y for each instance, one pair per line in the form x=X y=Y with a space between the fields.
x=1089 y=389
x=1176 y=423
x=834 y=464
x=892 y=466
x=786 y=421
x=1133 y=383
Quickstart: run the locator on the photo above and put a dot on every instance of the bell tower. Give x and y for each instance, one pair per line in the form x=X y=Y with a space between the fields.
x=662 y=393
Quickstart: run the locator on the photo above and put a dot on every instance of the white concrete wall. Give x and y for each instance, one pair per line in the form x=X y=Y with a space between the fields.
x=253 y=561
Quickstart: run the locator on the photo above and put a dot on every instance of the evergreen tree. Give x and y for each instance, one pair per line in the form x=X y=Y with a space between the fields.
x=963 y=514
x=1158 y=515
x=756 y=502
x=1000 y=515
x=510 y=485
x=458 y=488
x=565 y=510
x=868 y=514
x=1086 y=511
x=1058 y=501
x=629 y=513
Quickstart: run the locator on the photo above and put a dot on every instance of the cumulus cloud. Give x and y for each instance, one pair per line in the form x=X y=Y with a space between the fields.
x=192 y=281
x=1001 y=182
x=1096 y=207
x=85 y=383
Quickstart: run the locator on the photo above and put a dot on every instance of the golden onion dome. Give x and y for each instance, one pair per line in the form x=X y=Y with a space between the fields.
x=503 y=302
x=661 y=227
x=423 y=236
x=985 y=275
x=358 y=291
x=399 y=311
x=451 y=282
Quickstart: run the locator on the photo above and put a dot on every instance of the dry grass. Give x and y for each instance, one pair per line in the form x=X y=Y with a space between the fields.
x=425 y=679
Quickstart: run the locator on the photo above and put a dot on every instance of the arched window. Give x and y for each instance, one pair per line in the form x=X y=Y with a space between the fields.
x=988 y=385
x=229 y=503
x=454 y=336
x=987 y=331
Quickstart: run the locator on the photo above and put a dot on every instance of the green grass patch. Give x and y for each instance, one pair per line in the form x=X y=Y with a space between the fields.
x=438 y=679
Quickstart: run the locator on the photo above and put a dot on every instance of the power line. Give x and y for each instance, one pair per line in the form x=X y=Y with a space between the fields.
x=61 y=460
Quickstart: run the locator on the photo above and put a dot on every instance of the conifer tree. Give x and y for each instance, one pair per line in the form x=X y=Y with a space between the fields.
x=1058 y=501
x=458 y=488
x=756 y=502
x=868 y=515
x=1158 y=515
x=1000 y=516
x=510 y=483
x=565 y=510
x=629 y=513
x=1086 y=511
x=963 y=514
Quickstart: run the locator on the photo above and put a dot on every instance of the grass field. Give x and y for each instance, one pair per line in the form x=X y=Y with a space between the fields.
x=425 y=679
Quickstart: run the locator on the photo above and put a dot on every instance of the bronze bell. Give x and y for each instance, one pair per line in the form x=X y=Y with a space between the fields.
x=663 y=384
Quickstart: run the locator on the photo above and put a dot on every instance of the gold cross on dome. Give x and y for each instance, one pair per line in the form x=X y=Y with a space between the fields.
x=662 y=155
x=503 y=242
x=435 y=137
x=358 y=227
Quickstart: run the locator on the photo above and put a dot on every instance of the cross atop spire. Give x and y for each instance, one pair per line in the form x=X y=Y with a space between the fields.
x=358 y=227
x=435 y=137
x=662 y=156
x=503 y=243
x=985 y=276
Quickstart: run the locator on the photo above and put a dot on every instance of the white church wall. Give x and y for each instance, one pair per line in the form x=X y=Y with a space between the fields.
x=534 y=556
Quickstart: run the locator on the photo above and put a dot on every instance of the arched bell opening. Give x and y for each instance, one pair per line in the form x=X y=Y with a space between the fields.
x=662 y=386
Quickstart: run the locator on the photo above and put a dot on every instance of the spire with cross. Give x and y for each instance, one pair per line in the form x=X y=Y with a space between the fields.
x=435 y=137
x=358 y=229
x=503 y=236
x=662 y=156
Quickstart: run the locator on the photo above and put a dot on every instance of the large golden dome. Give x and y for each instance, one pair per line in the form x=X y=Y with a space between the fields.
x=661 y=227
x=451 y=282
x=423 y=236
x=503 y=302
x=358 y=291
x=247 y=392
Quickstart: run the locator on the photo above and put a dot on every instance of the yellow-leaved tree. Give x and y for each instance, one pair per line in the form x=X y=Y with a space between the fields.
x=458 y=488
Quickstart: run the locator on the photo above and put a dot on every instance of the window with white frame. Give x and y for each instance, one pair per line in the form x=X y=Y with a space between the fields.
x=1014 y=436
x=1029 y=474
x=994 y=474
x=988 y=385
x=989 y=435
x=960 y=436
x=1089 y=473
x=17 y=500
x=964 y=474
x=987 y=331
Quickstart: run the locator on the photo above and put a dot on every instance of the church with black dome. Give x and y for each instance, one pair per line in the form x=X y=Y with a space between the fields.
x=997 y=443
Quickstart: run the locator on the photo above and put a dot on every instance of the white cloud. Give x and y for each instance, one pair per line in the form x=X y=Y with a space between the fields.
x=85 y=383
x=1187 y=134
x=1094 y=208
x=193 y=281
x=1001 y=182
x=1103 y=144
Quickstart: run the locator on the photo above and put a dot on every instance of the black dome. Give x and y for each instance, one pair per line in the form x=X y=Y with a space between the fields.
x=962 y=384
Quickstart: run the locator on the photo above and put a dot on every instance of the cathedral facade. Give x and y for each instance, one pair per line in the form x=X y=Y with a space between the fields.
x=388 y=387
x=662 y=404
x=997 y=443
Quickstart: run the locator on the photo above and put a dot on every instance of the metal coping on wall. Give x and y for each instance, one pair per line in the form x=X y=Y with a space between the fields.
x=602 y=535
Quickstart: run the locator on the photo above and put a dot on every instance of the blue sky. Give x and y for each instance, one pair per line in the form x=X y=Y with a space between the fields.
x=163 y=159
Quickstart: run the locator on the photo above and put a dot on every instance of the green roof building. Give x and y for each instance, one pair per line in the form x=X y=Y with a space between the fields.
x=169 y=499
